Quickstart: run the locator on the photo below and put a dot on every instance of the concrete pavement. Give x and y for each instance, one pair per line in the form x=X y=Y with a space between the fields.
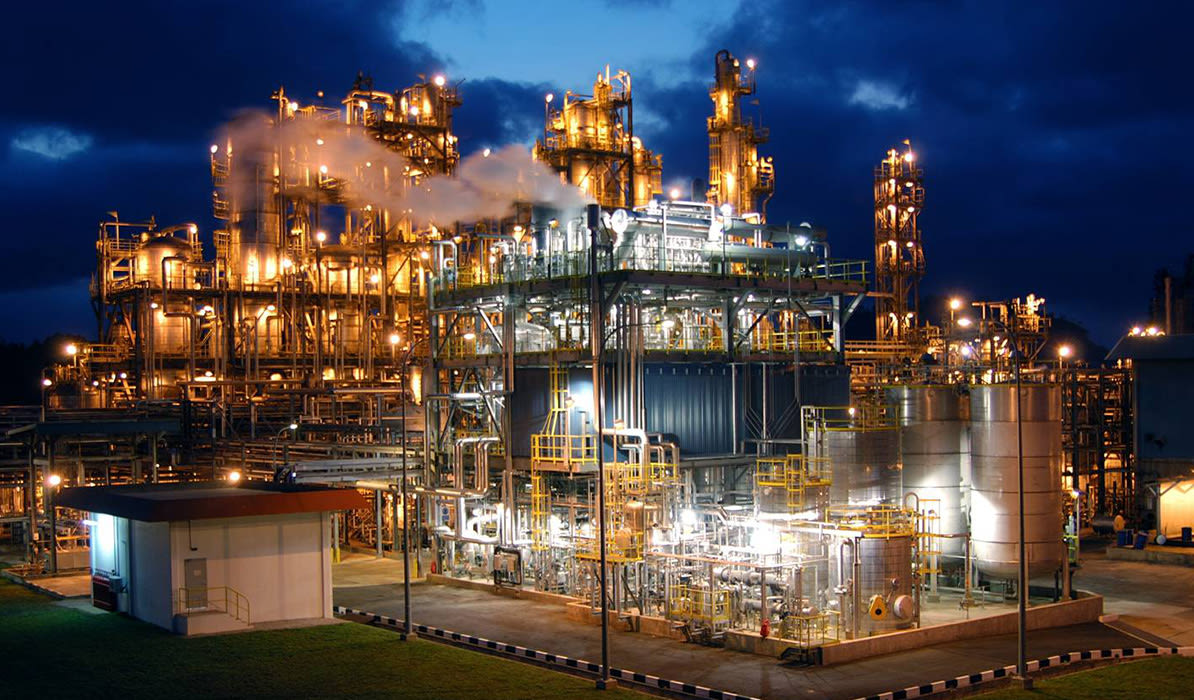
x=546 y=627
x=1157 y=598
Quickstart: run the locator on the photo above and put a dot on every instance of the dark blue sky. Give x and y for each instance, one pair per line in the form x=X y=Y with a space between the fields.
x=1055 y=136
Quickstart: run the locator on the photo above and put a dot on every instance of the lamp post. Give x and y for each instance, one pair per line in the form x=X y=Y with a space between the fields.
x=274 y=453
x=53 y=481
x=1022 y=583
x=407 y=631
x=46 y=383
x=596 y=318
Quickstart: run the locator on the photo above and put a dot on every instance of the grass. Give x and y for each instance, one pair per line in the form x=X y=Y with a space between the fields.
x=1164 y=677
x=53 y=650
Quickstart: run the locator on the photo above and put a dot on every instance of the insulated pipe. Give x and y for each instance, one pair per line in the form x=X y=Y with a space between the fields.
x=439 y=256
x=638 y=433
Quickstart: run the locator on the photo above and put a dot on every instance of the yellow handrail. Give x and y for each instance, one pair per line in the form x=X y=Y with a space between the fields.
x=223 y=599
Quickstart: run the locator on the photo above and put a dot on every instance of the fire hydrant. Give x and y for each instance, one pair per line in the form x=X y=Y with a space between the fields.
x=765 y=628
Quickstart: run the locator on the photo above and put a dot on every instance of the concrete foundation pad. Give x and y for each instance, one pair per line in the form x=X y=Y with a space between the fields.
x=1154 y=554
x=1087 y=608
x=72 y=585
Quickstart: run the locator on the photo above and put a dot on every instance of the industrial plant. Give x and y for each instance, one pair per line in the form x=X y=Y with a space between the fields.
x=543 y=370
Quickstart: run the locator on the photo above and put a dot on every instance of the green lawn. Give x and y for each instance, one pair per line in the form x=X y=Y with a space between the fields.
x=1164 y=677
x=54 y=651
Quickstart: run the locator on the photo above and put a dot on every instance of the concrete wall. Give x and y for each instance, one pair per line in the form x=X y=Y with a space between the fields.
x=1068 y=612
x=149 y=595
x=281 y=563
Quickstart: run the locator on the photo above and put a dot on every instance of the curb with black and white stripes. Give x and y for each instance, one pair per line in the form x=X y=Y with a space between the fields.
x=564 y=662
x=918 y=691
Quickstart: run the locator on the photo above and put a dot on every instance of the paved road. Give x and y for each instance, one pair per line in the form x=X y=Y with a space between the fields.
x=547 y=627
x=1156 y=598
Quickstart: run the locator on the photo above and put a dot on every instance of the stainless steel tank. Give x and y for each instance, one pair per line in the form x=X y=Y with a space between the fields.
x=886 y=570
x=994 y=508
x=150 y=257
x=932 y=443
x=865 y=464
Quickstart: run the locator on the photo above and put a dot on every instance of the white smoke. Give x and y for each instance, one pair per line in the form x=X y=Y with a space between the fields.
x=486 y=184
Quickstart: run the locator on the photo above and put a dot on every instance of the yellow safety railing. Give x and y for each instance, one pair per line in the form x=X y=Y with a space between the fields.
x=767 y=340
x=692 y=603
x=809 y=630
x=799 y=476
x=928 y=535
x=664 y=472
x=225 y=599
x=860 y=417
x=540 y=513
x=883 y=522
x=563 y=451
x=622 y=545
x=771 y=471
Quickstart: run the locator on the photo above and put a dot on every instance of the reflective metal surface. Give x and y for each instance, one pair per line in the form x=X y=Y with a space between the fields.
x=886 y=571
x=994 y=510
x=932 y=445
x=865 y=464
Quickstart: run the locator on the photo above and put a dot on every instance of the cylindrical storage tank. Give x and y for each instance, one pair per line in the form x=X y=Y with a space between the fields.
x=151 y=255
x=994 y=494
x=932 y=436
x=886 y=570
x=171 y=334
x=865 y=464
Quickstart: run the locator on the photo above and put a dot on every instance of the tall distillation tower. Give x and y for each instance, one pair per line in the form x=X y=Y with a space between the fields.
x=737 y=175
x=589 y=140
x=899 y=256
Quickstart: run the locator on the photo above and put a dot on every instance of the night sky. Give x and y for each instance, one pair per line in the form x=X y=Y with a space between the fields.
x=1055 y=136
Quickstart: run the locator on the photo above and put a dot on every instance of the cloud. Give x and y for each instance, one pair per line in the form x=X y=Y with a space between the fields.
x=878 y=96
x=52 y=142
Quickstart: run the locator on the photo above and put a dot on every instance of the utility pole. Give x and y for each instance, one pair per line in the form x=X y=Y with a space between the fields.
x=596 y=317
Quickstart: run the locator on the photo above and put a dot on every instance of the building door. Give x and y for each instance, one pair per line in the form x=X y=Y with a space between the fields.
x=195 y=583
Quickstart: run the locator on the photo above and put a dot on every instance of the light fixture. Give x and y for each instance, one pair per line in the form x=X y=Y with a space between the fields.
x=674 y=193
x=751 y=63
x=293 y=426
x=321 y=236
x=470 y=336
x=47 y=382
x=71 y=349
x=53 y=481
x=394 y=338
x=1065 y=351
x=439 y=81
x=964 y=322
x=234 y=476
x=955 y=304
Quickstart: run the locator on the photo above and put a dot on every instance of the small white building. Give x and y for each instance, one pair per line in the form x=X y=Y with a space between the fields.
x=212 y=556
